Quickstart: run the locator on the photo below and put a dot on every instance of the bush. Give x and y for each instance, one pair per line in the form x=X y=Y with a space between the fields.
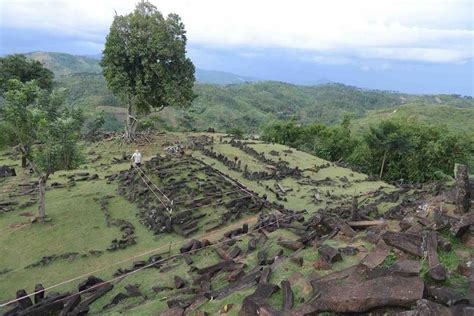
x=394 y=150
x=236 y=132
x=7 y=137
x=111 y=123
x=92 y=126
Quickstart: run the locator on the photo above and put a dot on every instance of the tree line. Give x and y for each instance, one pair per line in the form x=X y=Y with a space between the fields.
x=393 y=150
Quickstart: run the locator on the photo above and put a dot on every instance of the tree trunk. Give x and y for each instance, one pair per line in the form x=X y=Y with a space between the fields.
x=42 y=196
x=383 y=164
x=24 y=156
x=23 y=161
x=131 y=123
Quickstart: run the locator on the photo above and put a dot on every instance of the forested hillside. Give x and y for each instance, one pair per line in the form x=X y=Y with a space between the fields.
x=251 y=105
x=455 y=118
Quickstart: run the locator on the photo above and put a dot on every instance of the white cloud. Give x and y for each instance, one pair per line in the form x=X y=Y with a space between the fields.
x=437 y=31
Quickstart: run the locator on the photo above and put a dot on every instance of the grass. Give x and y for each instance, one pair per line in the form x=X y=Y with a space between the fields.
x=78 y=225
x=302 y=196
x=390 y=259
x=450 y=260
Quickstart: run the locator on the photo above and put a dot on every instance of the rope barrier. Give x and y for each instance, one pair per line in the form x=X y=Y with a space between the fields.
x=141 y=268
x=137 y=167
x=217 y=203
x=139 y=255
x=153 y=191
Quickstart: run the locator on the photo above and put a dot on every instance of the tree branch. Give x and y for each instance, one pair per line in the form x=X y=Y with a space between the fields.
x=161 y=108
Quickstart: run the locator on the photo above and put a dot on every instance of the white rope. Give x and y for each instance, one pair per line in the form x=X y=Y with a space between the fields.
x=153 y=191
x=141 y=268
x=139 y=255
x=141 y=170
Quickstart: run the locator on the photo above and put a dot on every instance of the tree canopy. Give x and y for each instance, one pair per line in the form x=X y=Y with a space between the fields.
x=392 y=149
x=18 y=67
x=45 y=132
x=144 y=61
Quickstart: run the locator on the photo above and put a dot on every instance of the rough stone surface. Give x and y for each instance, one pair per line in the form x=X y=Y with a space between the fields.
x=6 y=171
x=363 y=296
x=463 y=190
x=329 y=254
x=445 y=295
x=408 y=243
x=175 y=311
x=288 y=297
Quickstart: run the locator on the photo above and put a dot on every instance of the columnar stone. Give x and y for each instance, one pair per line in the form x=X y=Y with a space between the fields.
x=24 y=301
x=39 y=293
x=463 y=194
x=288 y=298
x=354 y=209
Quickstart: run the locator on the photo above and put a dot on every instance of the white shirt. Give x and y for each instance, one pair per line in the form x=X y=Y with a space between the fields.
x=137 y=157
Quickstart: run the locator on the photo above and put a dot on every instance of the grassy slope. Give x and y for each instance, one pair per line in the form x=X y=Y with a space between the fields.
x=64 y=64
x=458 y=119
x=79 y=225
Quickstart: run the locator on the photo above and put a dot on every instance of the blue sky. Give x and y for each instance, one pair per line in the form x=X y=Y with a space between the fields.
x=418 y=46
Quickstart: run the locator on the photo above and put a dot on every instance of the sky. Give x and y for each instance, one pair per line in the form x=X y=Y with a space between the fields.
x=417 y=46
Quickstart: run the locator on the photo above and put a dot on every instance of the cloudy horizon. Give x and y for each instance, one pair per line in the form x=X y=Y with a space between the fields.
x=422 y=46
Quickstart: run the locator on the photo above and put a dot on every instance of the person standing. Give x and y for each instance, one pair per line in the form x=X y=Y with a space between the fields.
x=137 y=158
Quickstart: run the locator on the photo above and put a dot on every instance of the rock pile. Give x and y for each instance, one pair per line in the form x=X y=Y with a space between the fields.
x=180 y=200
x=127 y=229
x=53 y=303
x=6 y=171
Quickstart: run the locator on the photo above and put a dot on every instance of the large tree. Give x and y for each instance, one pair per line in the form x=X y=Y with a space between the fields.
x=145 y=64
x=19 y=67
x=14 y=113
x=28 y=80
x=47 y=132
x=56 y=149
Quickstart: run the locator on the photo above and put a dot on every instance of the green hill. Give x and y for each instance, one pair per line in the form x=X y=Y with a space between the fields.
x=455 y=118
x=280 y=222
x=220 y=77
x=249 y=105
x=231 y=227
x=64 y=64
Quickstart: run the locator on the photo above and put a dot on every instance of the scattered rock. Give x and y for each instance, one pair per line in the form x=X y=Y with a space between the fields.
x=445 y=295
x=6 y=171
x=350 y=297
x=288 y=299
x=463 y=190
x=329 y=254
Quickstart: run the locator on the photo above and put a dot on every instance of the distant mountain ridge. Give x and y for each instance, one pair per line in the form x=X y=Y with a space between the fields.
x=221 y=77
x=226 y=100
x=65 y=64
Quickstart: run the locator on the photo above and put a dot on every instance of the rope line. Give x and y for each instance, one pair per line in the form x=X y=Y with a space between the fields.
x=217 y=203
x=153 y=191
x=141 y=170
x=144 y=267
x=147 y=252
